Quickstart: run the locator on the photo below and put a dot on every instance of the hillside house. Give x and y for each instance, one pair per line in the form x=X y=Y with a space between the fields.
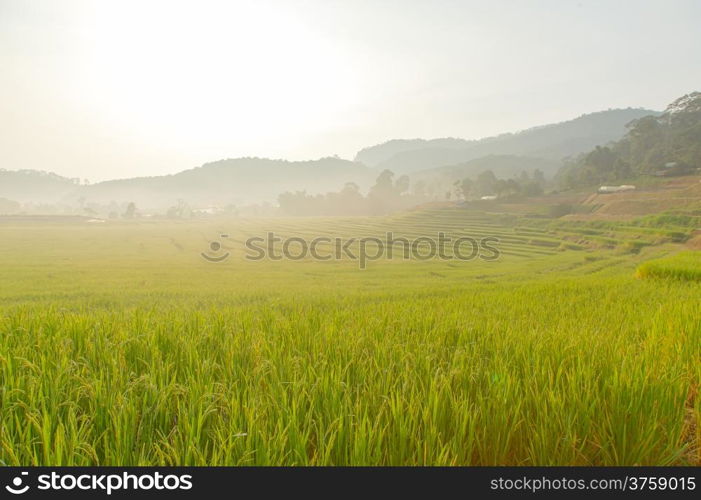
x=615 y=189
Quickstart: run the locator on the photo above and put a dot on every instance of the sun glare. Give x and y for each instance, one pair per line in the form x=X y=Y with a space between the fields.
x=227 y=72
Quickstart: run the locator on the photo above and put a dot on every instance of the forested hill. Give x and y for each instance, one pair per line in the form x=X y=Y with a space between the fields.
x=652 y=145
x=550 y=142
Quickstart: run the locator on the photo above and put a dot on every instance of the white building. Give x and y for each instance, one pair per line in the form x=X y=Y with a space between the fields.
x=616 y=189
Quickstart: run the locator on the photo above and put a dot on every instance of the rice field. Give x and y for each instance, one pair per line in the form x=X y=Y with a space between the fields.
x=682 y=266
x=121 y=345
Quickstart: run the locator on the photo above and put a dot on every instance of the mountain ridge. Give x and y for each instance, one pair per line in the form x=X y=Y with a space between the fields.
x=553 y=141
x=253 y=179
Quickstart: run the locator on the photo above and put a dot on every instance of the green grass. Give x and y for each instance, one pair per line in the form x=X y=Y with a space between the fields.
x=682 y=266
x=120 y=345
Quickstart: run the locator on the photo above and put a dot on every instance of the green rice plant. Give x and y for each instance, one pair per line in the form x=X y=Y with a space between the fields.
x=118 y=347
x=682 y=266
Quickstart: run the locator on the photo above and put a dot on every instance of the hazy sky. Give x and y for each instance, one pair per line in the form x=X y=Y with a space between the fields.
x=98 y=89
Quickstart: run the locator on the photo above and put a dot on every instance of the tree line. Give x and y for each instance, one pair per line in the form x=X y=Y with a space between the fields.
x=654 y=145
x=389 y=194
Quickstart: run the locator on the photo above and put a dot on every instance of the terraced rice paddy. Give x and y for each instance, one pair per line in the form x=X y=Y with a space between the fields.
x=120 y=344
x=682 y=266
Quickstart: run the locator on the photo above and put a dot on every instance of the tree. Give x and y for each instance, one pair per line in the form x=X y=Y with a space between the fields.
x=463 y=188
x=180 y=210
x=131 y=211
x=351 y=189
x=402 y=185
x=539 y=177
x=383 y=185
x=420 y=188
x=457 y=190
x=9 y=206
x=512 y=187
x=531 y=188
x=485 y=183
x=501 y=187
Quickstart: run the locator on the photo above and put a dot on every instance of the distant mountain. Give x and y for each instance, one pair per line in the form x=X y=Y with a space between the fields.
x=242 y=180
x=503 y=166
x=550 y=142
x=35 y=186
x=375 y=155
x=249 y=180
x=237 y=181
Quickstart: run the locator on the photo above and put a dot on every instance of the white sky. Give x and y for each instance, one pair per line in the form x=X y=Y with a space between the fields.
x=98 y=89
